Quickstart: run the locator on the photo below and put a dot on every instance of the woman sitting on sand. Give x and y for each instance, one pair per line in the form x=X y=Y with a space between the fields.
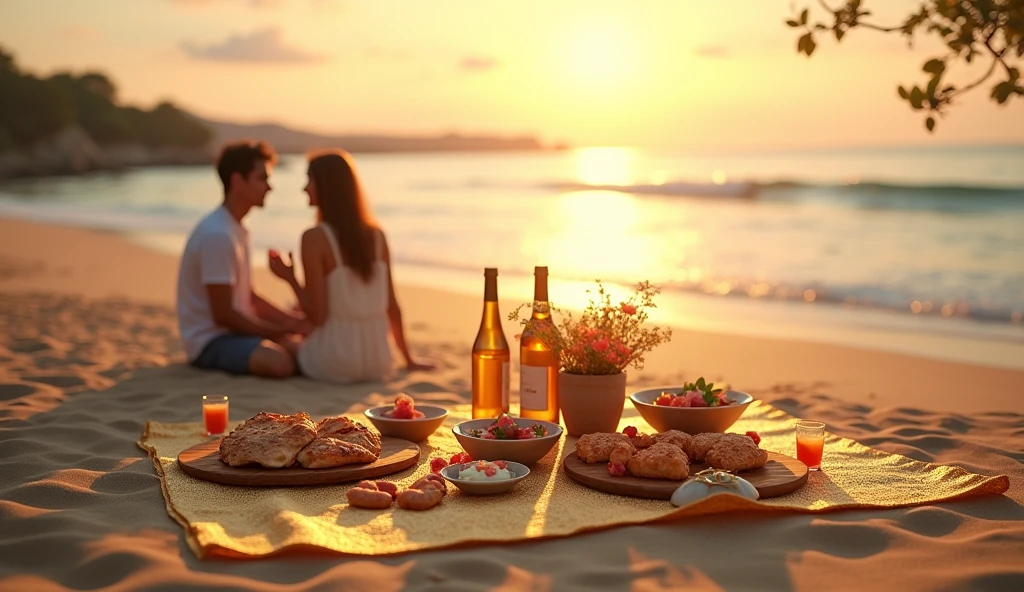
x=349 y=295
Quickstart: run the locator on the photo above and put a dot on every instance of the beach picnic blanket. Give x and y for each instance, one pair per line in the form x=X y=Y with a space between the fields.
x=221 y=520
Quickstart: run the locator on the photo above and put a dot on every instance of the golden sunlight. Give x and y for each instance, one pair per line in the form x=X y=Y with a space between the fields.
x=597 y=236
x=604 y=166
x=599 y=55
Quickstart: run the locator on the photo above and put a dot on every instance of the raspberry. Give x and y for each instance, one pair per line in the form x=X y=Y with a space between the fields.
x=616 y=470
x=754 y=437
x=436 y=464
x=403 y=400
x=500 y=464
x=630 y=431
x=402 y=413
x=526 y=433
x=460 y=458
x=417 y=414
x=490 y=471
x=680 y=402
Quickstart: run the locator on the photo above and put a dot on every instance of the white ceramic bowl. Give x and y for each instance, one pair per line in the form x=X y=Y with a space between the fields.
x=525 y=452
x=413 y=430
x=451 y=475
x=692 y=420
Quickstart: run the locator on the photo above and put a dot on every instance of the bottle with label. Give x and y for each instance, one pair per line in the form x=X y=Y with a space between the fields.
x=491 y=356
x=538 y=366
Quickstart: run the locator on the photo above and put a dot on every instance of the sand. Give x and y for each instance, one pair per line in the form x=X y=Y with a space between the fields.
x=89 y=352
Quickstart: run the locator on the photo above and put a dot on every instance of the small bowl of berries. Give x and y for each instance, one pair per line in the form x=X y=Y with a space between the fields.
x=694 y=408
x=406 y=419
x=508 y=438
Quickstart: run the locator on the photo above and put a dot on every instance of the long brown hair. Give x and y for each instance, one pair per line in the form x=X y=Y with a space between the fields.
x=342 y=207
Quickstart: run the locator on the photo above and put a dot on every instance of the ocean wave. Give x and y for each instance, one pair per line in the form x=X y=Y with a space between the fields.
x=898 y=299
x=873 y=193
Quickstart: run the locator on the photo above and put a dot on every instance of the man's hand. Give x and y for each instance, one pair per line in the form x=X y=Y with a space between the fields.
x=302 y=327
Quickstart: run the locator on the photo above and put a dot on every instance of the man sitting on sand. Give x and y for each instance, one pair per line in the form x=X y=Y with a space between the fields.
x=225 y=325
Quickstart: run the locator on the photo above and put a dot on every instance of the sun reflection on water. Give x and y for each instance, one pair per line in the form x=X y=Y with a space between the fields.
x=605 y=166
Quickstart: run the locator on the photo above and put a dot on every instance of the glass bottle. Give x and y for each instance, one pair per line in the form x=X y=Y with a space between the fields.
x=538 y=365
x=491 y=356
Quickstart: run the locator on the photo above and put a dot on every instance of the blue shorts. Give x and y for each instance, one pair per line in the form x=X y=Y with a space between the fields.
x=229 y=352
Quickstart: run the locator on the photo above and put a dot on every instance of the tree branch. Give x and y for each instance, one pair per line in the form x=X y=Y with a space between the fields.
x=991 y=69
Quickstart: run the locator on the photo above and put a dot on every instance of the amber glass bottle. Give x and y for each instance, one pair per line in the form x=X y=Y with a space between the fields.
x=491 y=356
x=538 y=366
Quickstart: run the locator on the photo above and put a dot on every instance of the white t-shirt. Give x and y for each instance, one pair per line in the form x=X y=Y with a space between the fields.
x=217 y=252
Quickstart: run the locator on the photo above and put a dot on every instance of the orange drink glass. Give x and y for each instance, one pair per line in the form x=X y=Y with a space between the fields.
x=215 y=414
x=810 y=441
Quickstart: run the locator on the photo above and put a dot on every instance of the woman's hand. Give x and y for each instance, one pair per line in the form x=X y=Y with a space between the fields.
x=281 y=268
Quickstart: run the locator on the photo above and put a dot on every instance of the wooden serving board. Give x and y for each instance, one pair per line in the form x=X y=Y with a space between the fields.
x=780 y=475
x=203 y=462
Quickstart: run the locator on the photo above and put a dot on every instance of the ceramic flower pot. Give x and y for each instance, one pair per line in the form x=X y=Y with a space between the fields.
x=591 y=403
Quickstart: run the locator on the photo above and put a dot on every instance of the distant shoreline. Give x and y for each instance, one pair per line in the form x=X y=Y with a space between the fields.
x=73 y=152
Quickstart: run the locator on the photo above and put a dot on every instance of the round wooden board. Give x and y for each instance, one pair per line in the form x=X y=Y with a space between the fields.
x=779 y=476
x=203 y=462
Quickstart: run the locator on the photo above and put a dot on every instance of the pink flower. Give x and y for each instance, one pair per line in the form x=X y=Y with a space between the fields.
x=628 y=308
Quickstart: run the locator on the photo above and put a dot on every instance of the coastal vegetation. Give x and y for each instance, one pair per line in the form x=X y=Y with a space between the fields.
x=36 y=109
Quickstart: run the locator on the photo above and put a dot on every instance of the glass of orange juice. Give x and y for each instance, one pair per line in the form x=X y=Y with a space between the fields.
x=215 y=414
x=810 y=441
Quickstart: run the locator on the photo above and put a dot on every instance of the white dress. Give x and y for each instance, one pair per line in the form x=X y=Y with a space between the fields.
x=352 y=344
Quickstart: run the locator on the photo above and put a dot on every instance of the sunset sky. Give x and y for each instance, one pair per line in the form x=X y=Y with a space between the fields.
x=643 y=72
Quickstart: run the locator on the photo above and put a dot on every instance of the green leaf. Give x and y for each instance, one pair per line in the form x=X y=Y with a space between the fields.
x=700 y=383
x=1014 y=74
x=803 y=17
x=932 y=86
x=839 y=34
x=904 y=94
x=934 y=66
x=1002 y=91
x=930 y=123
x=916 y=98
x=807 y=41
x=792 y=23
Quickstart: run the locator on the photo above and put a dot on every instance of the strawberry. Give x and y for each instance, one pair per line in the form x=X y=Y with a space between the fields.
x=460 y=458
x=616 y=470
x=630 y=431
x=664 y=399
x=756 y=438
x=436 y=464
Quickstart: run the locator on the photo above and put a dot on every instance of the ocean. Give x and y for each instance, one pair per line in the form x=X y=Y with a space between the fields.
x=918 y=250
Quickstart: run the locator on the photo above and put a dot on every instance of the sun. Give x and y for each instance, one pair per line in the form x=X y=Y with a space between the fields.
x=599 y=54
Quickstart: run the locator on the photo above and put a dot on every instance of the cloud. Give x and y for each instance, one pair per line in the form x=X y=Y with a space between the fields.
x=478 y=63
x=253 y=3
x=385 y=54
x=713 y=51
x=78 y=32
x=264 y=45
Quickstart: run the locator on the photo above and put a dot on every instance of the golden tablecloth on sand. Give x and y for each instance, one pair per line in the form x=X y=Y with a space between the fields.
x=254 y=522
